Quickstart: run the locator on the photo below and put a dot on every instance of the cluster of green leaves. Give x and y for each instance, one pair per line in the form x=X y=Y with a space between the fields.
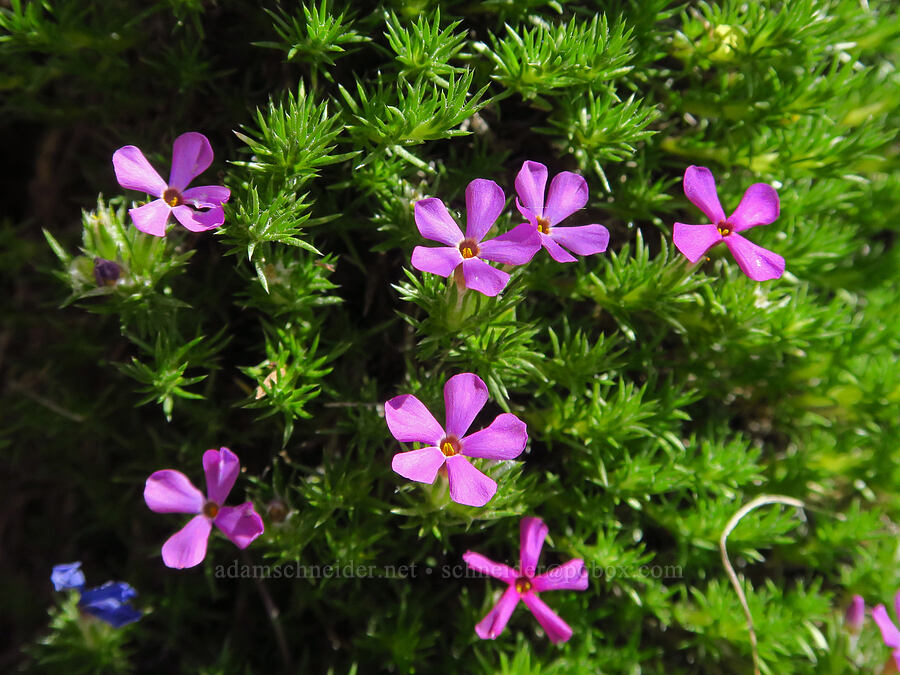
x=659 y=396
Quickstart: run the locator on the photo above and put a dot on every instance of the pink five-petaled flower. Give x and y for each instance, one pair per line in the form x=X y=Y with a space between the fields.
x=464 y=396
x=191 y=156
x=759 y=206
x=466 y=255
x=171 y=491
x=889 y=632
x=525 y=586
x=568 y=194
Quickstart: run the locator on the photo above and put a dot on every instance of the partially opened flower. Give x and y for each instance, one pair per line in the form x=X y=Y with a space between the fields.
x=448 y=446
x=465 y=255
x=568 y=194
x=759 y=206
x=889 y=632
x=198 y=208
x=109 y=602
x=522 y=584
x=171 y=491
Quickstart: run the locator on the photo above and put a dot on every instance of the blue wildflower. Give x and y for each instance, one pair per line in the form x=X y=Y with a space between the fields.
x=108 y=602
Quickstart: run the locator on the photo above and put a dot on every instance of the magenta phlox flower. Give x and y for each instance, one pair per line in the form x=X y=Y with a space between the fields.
x=524 y=585
x=855 y=614
x=171 y=491
x=466 y=254
x=759 y=206
x=568 y=194
x=889 y=632
x=198 y=208
x=449 y=447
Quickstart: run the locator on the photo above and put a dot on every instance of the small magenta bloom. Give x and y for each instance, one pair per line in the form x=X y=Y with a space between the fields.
x=198 y=209
x=464 y=396
x=525 y=586
x=171 y=491
x=466 y=255
x=759 y=206
x=568 y=194
x=889 y=632
x=109 y=602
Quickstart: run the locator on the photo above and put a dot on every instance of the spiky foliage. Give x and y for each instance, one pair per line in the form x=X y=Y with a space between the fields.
x=660 y=397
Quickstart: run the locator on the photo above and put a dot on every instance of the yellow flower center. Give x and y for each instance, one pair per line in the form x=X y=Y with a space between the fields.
x=210 y=509
x=543 y=225
x=450 y=446
x=724 y=228
x=468 y=248
x=172 y=197
x=523 y=585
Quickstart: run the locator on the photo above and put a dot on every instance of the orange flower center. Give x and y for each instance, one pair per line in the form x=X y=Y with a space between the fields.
x=172 y=197
x=523 y=585
x=724 y=228
x=210 y=509
x=543 y=225
x=468 y=248
x=449 y=446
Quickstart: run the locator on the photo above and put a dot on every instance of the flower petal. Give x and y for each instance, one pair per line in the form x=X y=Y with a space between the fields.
x=484 y=204
x=479 y=563
x=700 y=188
x=481 y=277
x=759 y=206
x=572 y=575
x=504 y=439
x=568 y=194
x=435 y=223
x=191 y=155
x=557 y=629
x=468 y=485
x=531 y=181
x=532 y=532
x=109 y=603
x=756 y=262
x=206 y=195
x=557 y=252
x=889 y=632
x=170 y=491
x=134 y=172
x=241 y=524
x=583 y=240
x=464 y=397
x=410 y=422
x=695 y=240
x=151 y=218
x=493 y=624
x=440 y=260
x=111 y=590
x=419 y=465
x=187 y=547
x=199 y=221
x=67 y=575
x=221 y=468
x=515 y=247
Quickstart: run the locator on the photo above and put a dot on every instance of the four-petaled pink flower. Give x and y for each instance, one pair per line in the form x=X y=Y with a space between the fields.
x=889 y=632
x=568 y=194
x=759 y=206
x=191 y=156
x=464 y=396
x=465 y=255
x=171 y=491
x=525 y=586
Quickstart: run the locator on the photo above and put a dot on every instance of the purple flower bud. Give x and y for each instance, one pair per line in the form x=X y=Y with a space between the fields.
x=855 y=615
x=106 y=272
